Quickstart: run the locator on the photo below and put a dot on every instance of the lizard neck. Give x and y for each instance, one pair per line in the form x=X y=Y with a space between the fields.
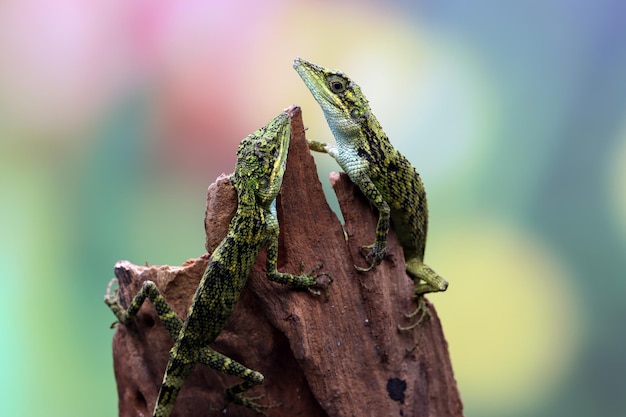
x=362 y=137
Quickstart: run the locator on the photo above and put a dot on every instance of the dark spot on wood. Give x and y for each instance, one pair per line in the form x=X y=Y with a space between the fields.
x=141 y=401
x=148 y=320
x=396 y=388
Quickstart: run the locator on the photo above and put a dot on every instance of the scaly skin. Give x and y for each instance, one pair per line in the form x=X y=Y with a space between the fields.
x=258 y=175
x=382 y=173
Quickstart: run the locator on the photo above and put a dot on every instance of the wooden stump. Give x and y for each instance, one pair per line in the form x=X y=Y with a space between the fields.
x=335 y=355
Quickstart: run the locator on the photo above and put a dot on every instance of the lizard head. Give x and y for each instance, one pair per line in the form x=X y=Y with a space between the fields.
x=261 y=160
x=341 y=99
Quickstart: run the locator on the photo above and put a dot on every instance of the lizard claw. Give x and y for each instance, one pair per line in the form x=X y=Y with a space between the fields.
x=250 y=402
x=374 y=254
x=322 y=279
x=112 y=299
x=112 y=296
x=423 y=308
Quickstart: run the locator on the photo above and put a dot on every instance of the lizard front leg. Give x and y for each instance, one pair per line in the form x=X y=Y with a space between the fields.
x=355 y=169
x=149 y=290
x=303 y=281
x=322 y=147
x=377 y=251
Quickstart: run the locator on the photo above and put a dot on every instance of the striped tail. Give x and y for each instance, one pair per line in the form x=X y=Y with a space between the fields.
x=175 y=375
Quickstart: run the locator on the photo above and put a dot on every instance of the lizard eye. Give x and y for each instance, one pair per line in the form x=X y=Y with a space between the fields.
x=337 y=84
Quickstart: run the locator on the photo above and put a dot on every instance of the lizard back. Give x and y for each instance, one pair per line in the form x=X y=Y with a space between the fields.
x=400 y=184
x=225 y=276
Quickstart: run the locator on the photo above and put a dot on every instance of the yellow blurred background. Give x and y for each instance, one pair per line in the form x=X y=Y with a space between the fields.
x=115 y=116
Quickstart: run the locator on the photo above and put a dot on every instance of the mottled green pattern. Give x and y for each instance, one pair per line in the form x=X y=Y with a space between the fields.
x=257 y=179
x=382 y=173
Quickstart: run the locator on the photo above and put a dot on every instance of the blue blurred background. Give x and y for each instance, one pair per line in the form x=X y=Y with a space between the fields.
x=115 y=116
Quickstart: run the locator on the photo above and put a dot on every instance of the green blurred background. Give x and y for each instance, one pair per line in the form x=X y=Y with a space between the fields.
x=115 y=116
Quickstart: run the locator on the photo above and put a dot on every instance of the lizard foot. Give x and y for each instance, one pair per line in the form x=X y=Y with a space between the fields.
x=250 y=402
x=374 y=254
x=322 y=279
x=112 y=298
x=422 y=308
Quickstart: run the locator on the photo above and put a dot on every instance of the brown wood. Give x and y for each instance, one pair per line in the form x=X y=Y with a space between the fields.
x=334 y=355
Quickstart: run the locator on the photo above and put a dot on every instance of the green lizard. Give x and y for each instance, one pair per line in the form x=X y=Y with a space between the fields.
x=258 y=175
x=382 y=173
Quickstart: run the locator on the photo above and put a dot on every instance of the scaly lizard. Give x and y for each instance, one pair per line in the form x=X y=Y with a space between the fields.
x=258 y=175
x=383 y=174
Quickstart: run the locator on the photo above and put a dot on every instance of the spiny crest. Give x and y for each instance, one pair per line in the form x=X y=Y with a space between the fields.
x=261 y=159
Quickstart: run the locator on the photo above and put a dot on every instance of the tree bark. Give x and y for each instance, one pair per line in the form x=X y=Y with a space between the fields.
x=338 y=354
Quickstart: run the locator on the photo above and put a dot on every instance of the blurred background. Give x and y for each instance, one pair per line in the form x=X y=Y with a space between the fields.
x=115 y=116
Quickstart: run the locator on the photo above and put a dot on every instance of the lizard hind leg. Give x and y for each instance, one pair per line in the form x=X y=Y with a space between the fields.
x=148 y=290
x=422 y=308
x=251 y=378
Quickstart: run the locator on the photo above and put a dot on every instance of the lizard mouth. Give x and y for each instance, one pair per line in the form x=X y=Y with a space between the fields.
x=314 y=78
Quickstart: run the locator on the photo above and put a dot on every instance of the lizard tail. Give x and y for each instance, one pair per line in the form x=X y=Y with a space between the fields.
x=426 y=280
x=175 y=375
